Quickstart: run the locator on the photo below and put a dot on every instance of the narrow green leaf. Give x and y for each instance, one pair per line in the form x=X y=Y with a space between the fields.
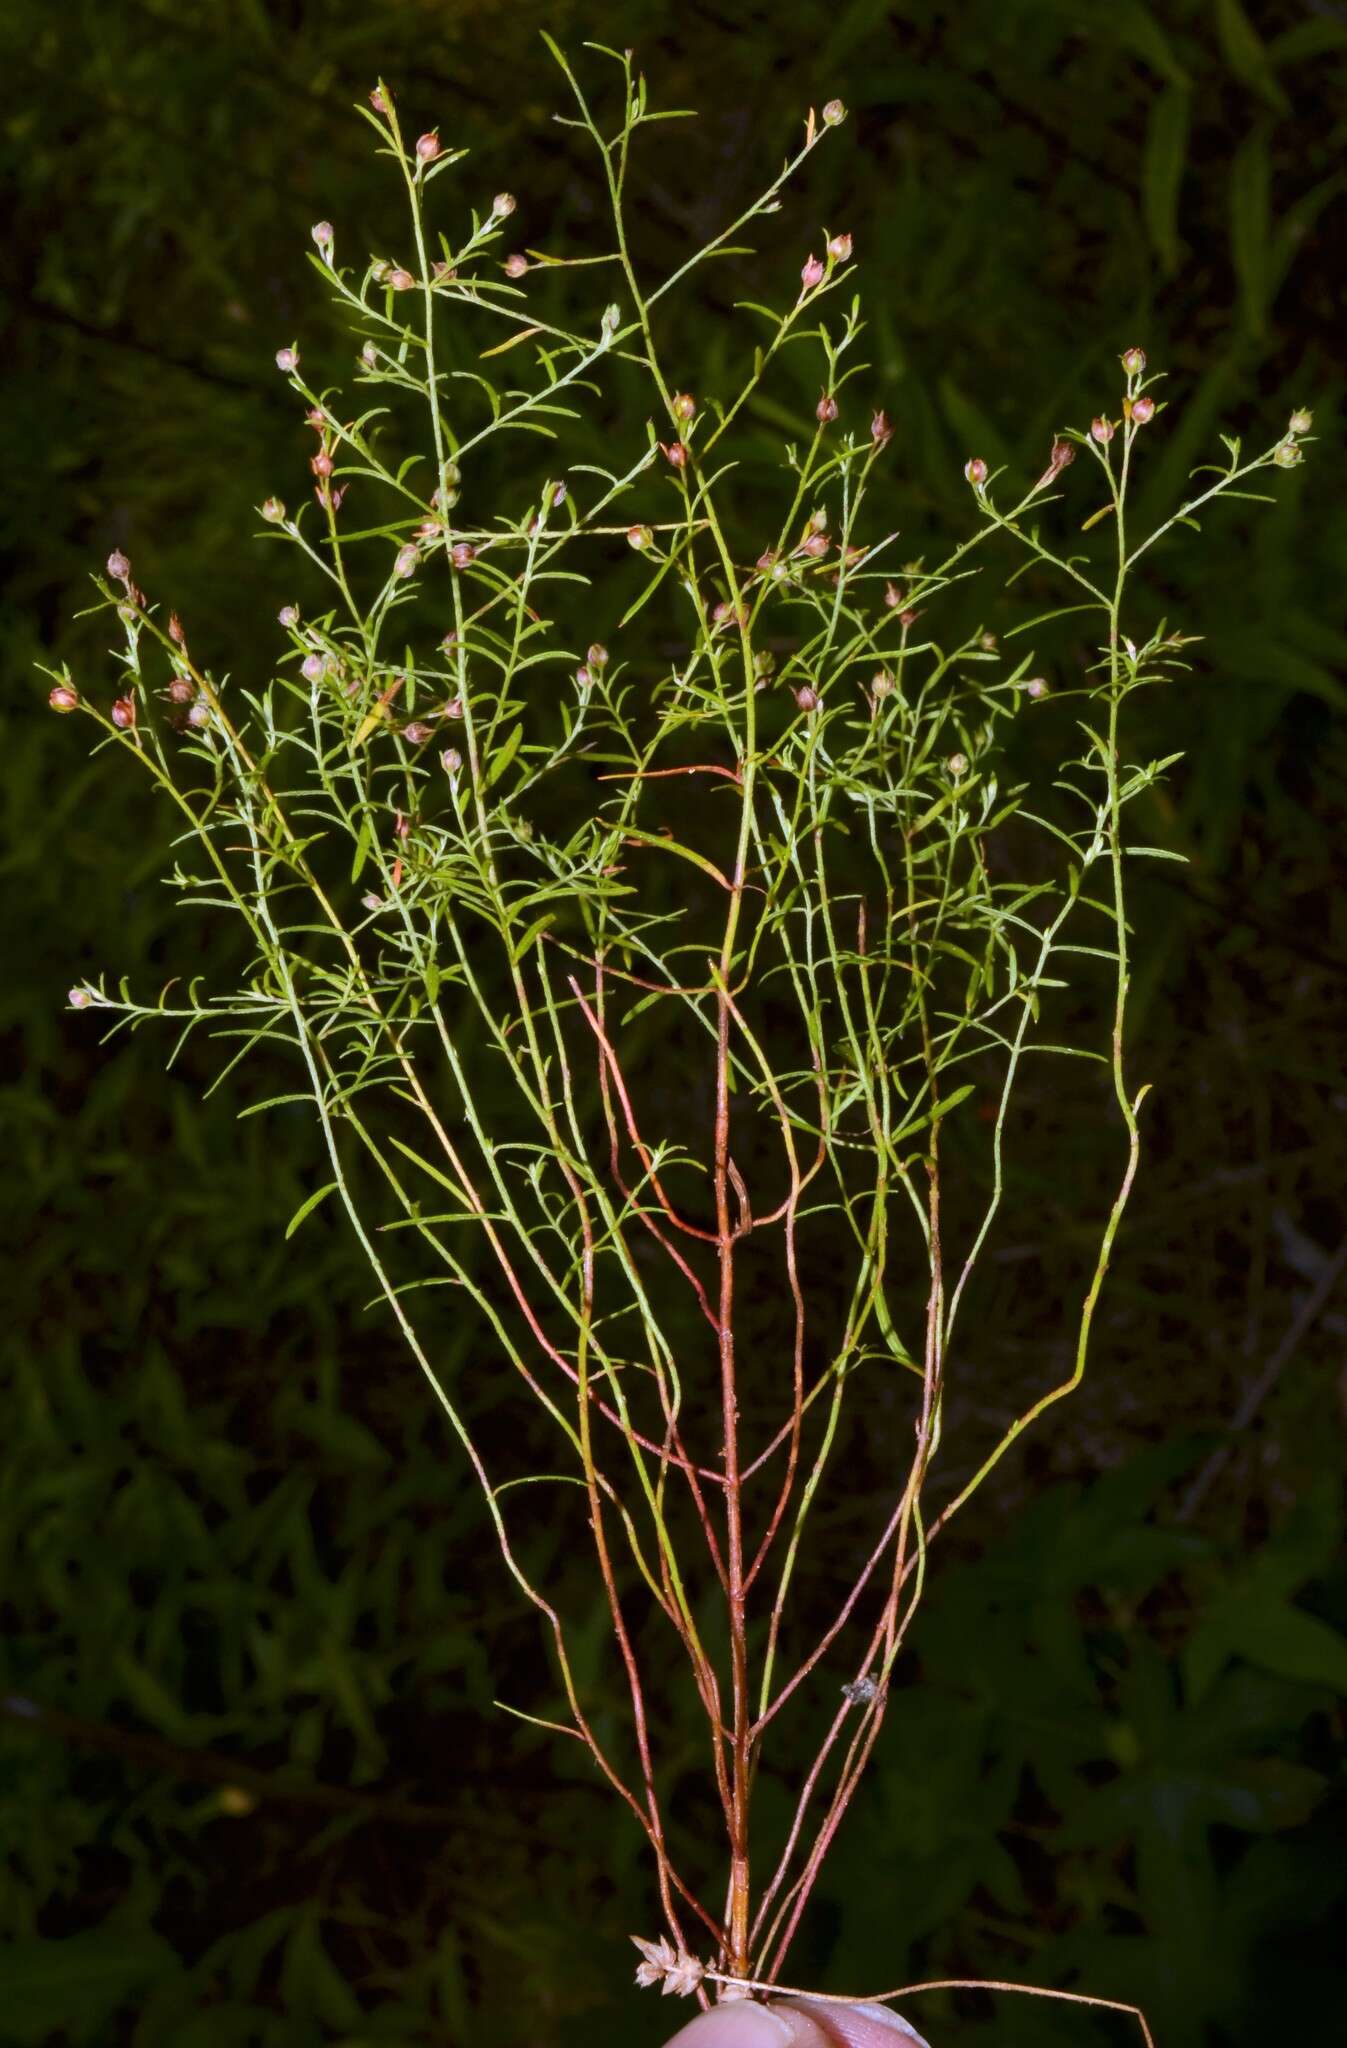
x=501 y=760
x=362 y=847
x=1247 y=54
x=306 y=1208
x=1250 y=224
x=1162 y=172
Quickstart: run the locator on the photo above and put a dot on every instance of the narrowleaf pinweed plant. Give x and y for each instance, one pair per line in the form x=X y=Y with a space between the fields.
x=654 y=956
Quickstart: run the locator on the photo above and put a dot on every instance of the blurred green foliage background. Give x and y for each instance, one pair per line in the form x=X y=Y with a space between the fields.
x=253 y=1787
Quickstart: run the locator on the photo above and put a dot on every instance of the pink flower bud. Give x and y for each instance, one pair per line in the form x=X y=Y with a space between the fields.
x=1300 y=421
x=834 y=113
x=683 y=405
x=894 y=597
x=839 y=248
x=79 y=998
x=124 y=713
x=957 y=765
x=63 y=697
x=199 y=715
x=1134 y=361
x=313 y=668
x=289 y=615
x=119 y=567
x=908 y=618
x=584 y=677
x=442 y=272
x=1035 y=687
x=881 y=683
x=639 y=536
x=427 y=147
x=175 y=632
x=322 y=234
x=806 y=698
x=516 y=265
x=1102 y=429
x=406 y=561
x=287 y=359
x=369 y=355
x=1143 y=409
x=881 y=433
x=321 y=463
x=815 y=545
x=378 y=100
x=674 y=453
x=400 y=280
x=826 y=409
x=416 y=732
x=451 y=761
x=273 y=511
x=461 y=553
x=1287 y=454
x=976 y=471
x=812 y=273
x=597 y=657
x=182 y=690
x=503 y=204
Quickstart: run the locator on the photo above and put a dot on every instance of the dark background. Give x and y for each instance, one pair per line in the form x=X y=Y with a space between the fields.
x=252 y=1784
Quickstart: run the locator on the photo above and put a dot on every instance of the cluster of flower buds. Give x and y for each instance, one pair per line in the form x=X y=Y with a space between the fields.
x=678 y=1975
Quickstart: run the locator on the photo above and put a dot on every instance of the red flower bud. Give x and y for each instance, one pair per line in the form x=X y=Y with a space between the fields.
x=182 y=690
x=683 y=405
x=321 y=463
x=881 y=433
x=427 y=147
x=63 y=697
x=675 y=453
x=400 y=280
x=461 y=553
x=124 y=713
x=826 y=409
